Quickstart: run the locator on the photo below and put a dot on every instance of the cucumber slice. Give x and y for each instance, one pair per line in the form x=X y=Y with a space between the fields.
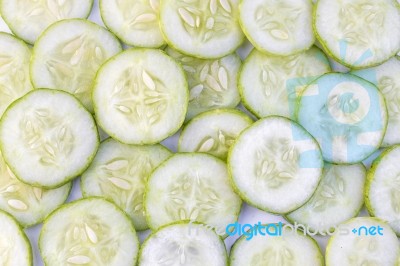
x=271 y=159
x=204 y=29
x=191 y=186
x=52 y=134
x=386 y=78
x=15 y=248
x=348 y=248
x=270 y=85
x=349 y=116
x=339 y=197
x=68 y=54
x=134 y=22
x=140 y=96
x=14 y=70
x=278 y=27
x=382 y=195
x=119 y=172
x=183 y=244
x=358 y=34
x=29 y=205
x=89 y=231
x=213 y=132
x=287 y=248
x=28 y=19
x=212 y=83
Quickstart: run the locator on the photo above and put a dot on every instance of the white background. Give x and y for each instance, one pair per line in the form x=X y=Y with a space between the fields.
x=248 y=214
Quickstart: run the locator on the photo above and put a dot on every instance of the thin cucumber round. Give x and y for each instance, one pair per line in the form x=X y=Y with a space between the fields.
x=270 y=85
x=289 y=247
x=349 y=117
x=212 y=83
x=371 y=243
x=270 y=160
x=52 y=134
x=89 y=231
x=68 y=54
x=382 y=195
x=28 y=19
x=14 y=70
x=278 y=27
x=339 y=197
x=191 y=186
x=386 y=78
x=213 y=132
x=136 y=100
x=29 y=205
x=119 y=173
x=134 y=22
x=183 y=243
x=358 y=34
x=203 y=29
x=15 y=248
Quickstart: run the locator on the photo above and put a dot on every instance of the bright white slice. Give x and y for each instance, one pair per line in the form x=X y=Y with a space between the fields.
x=348 y=248
x=68 y=54
x=358 y=34
x=191 y=186
x=204 y=29
x=28 y=19
x=270 y=85
x=270 y=160
x=15 y=248
x=119 y=172
x=339 y=197
x=140 y=96
x=278 y=27
x=29 y=205
x=89 y=231
x=52 y=134
x=382 y=195
x=183 y=244
x=346 y=114
x=386 y=77
x=288 y=248
x=213 y=132
x=14 y=70
x=212 y=82
x=134 y=22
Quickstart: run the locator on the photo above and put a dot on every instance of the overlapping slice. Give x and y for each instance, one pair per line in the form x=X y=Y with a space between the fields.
x=140 y=96
x=68 y=54
x=90 y=231
x=363 y=241
x=212 y=83
x=15 y=248
x=386 y=77
x=270 y=160
x=278 y=27
x=339 y=197
x=183 y=244
x=213 y=132
x=119 y=172
x=134 y=22
x=28 y=19
x=284 y=246
x=346 y=114
x=204 y=29
x=358 y=34
x=270 y=85
x=48 y=138
x=14 y=70
x=191 y=186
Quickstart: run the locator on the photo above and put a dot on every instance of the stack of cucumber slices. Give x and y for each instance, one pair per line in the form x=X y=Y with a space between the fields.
x=199 y=132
